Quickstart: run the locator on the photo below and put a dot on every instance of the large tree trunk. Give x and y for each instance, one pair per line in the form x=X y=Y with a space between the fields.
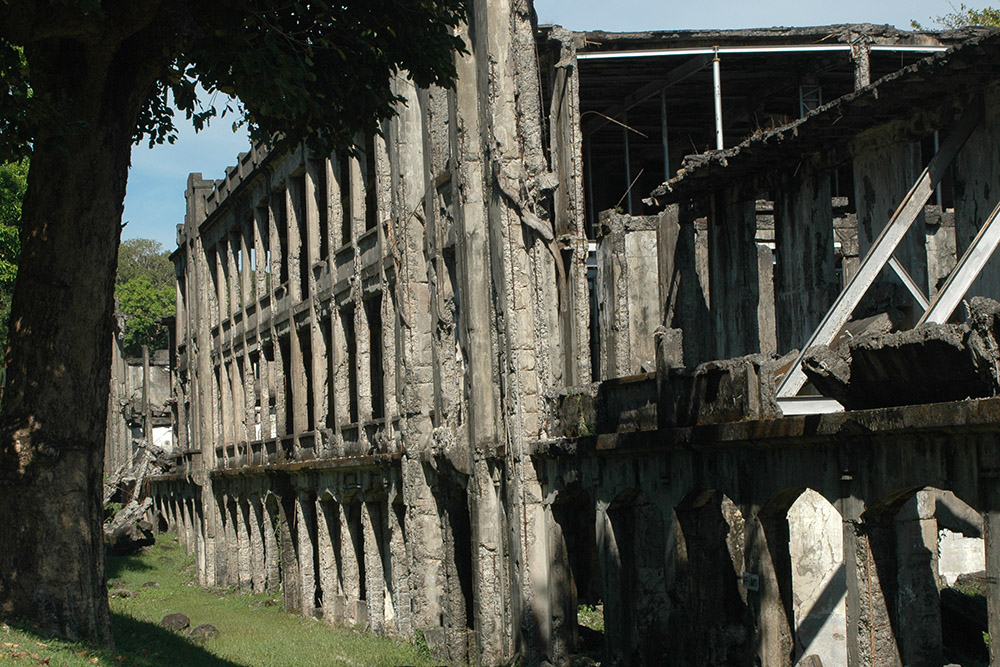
x=52 y=419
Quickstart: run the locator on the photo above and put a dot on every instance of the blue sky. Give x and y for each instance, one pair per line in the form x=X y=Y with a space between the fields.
x=154 y=203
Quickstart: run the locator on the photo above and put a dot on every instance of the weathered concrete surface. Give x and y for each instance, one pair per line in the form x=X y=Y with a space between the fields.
x=928 y=364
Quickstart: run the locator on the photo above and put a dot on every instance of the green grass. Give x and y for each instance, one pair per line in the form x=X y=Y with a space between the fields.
x=253 y=630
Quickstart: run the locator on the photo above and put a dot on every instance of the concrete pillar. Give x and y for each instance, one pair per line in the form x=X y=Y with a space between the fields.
x=379 y=599
x=883 y=175
x=313 y=200
x=298 y=385
x=977 y=190
x=261 y=243
x=289 y=527
x=201 y=554
x=232 y=542
x=733 y=274
x=267 y=510
x=246 y=235
x=352 y=563
x=805 y=276
x=232 y=275
x=295 y=241
x=267 y=386
x=399 y=580
x=767 y=557
x=682 y=298
x=244 y=554
x=917 y=601
x=305 y=513
x=328 y=533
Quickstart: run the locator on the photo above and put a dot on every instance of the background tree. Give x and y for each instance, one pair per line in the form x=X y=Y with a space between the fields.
x=82 y=80
x=144 y=286
x=13 y=183
x=964 y=17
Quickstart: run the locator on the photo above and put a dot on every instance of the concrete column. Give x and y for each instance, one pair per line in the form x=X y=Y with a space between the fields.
x=295 y=242
x=767 y=557
x=298 y=385
x=805 y=276
x=328 y=528
x=990 y=489
x=305 y=513
x=289 y=528
x=883 y=174
x=352 y=563
x=275 y=215
x=319 y=372
x=267 y=385
x=917 y=600
x=733 y=274
x=231 y=543
x=682 y=298
x=261 y=241
x=977 y=191
x=236 y=370
x=313 y=199
x=232 y=274
x=272 y=561
x=281 y=385
x=246 y=235
x=201 y=553
x=226 y=401
x=400 y=571
x=379 y=599
x=244 y=558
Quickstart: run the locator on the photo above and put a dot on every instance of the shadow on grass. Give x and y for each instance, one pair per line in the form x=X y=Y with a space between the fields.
x=148 y=645
x=118 y=565
x=137 y=644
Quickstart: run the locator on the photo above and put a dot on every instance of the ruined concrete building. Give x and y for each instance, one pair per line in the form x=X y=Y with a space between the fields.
x=520 y=354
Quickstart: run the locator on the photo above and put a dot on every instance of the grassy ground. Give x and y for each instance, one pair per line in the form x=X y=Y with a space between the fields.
x=252 y=628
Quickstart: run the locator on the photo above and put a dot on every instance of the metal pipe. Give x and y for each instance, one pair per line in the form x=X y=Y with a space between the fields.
x=628 y=168
x=729 y=50
x=663 y=133
x=717 y=91
x=937 y=190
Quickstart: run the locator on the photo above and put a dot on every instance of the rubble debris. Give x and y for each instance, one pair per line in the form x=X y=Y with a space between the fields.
x=930 y=363
x=728 y=390
x=128 y=531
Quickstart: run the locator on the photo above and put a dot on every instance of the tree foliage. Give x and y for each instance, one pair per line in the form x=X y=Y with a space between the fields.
x=143 y=305
x=13 y=183
x=319 y=70
x=144 y=286
x=963 y=17
x=144 y=257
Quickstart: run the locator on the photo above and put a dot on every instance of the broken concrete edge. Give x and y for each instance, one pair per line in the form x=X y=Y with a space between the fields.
x=969 y=416
x=930 y=363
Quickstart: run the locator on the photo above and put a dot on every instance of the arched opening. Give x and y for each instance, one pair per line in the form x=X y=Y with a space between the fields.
x=633 y=547
x=927 y=554
x=578 y=609
x=709 y=620
x=819 y=579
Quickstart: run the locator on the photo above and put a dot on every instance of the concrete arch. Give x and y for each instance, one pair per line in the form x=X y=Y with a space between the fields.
x=709 y=618
x=632 y=538
x=575 y=571
x=902 y=575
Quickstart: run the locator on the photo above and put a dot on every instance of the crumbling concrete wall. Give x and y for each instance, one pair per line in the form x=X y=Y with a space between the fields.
x=629 y=310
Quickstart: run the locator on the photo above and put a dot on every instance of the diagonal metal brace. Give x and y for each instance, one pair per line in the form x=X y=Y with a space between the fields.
x=965 y=272
x=881 y=251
